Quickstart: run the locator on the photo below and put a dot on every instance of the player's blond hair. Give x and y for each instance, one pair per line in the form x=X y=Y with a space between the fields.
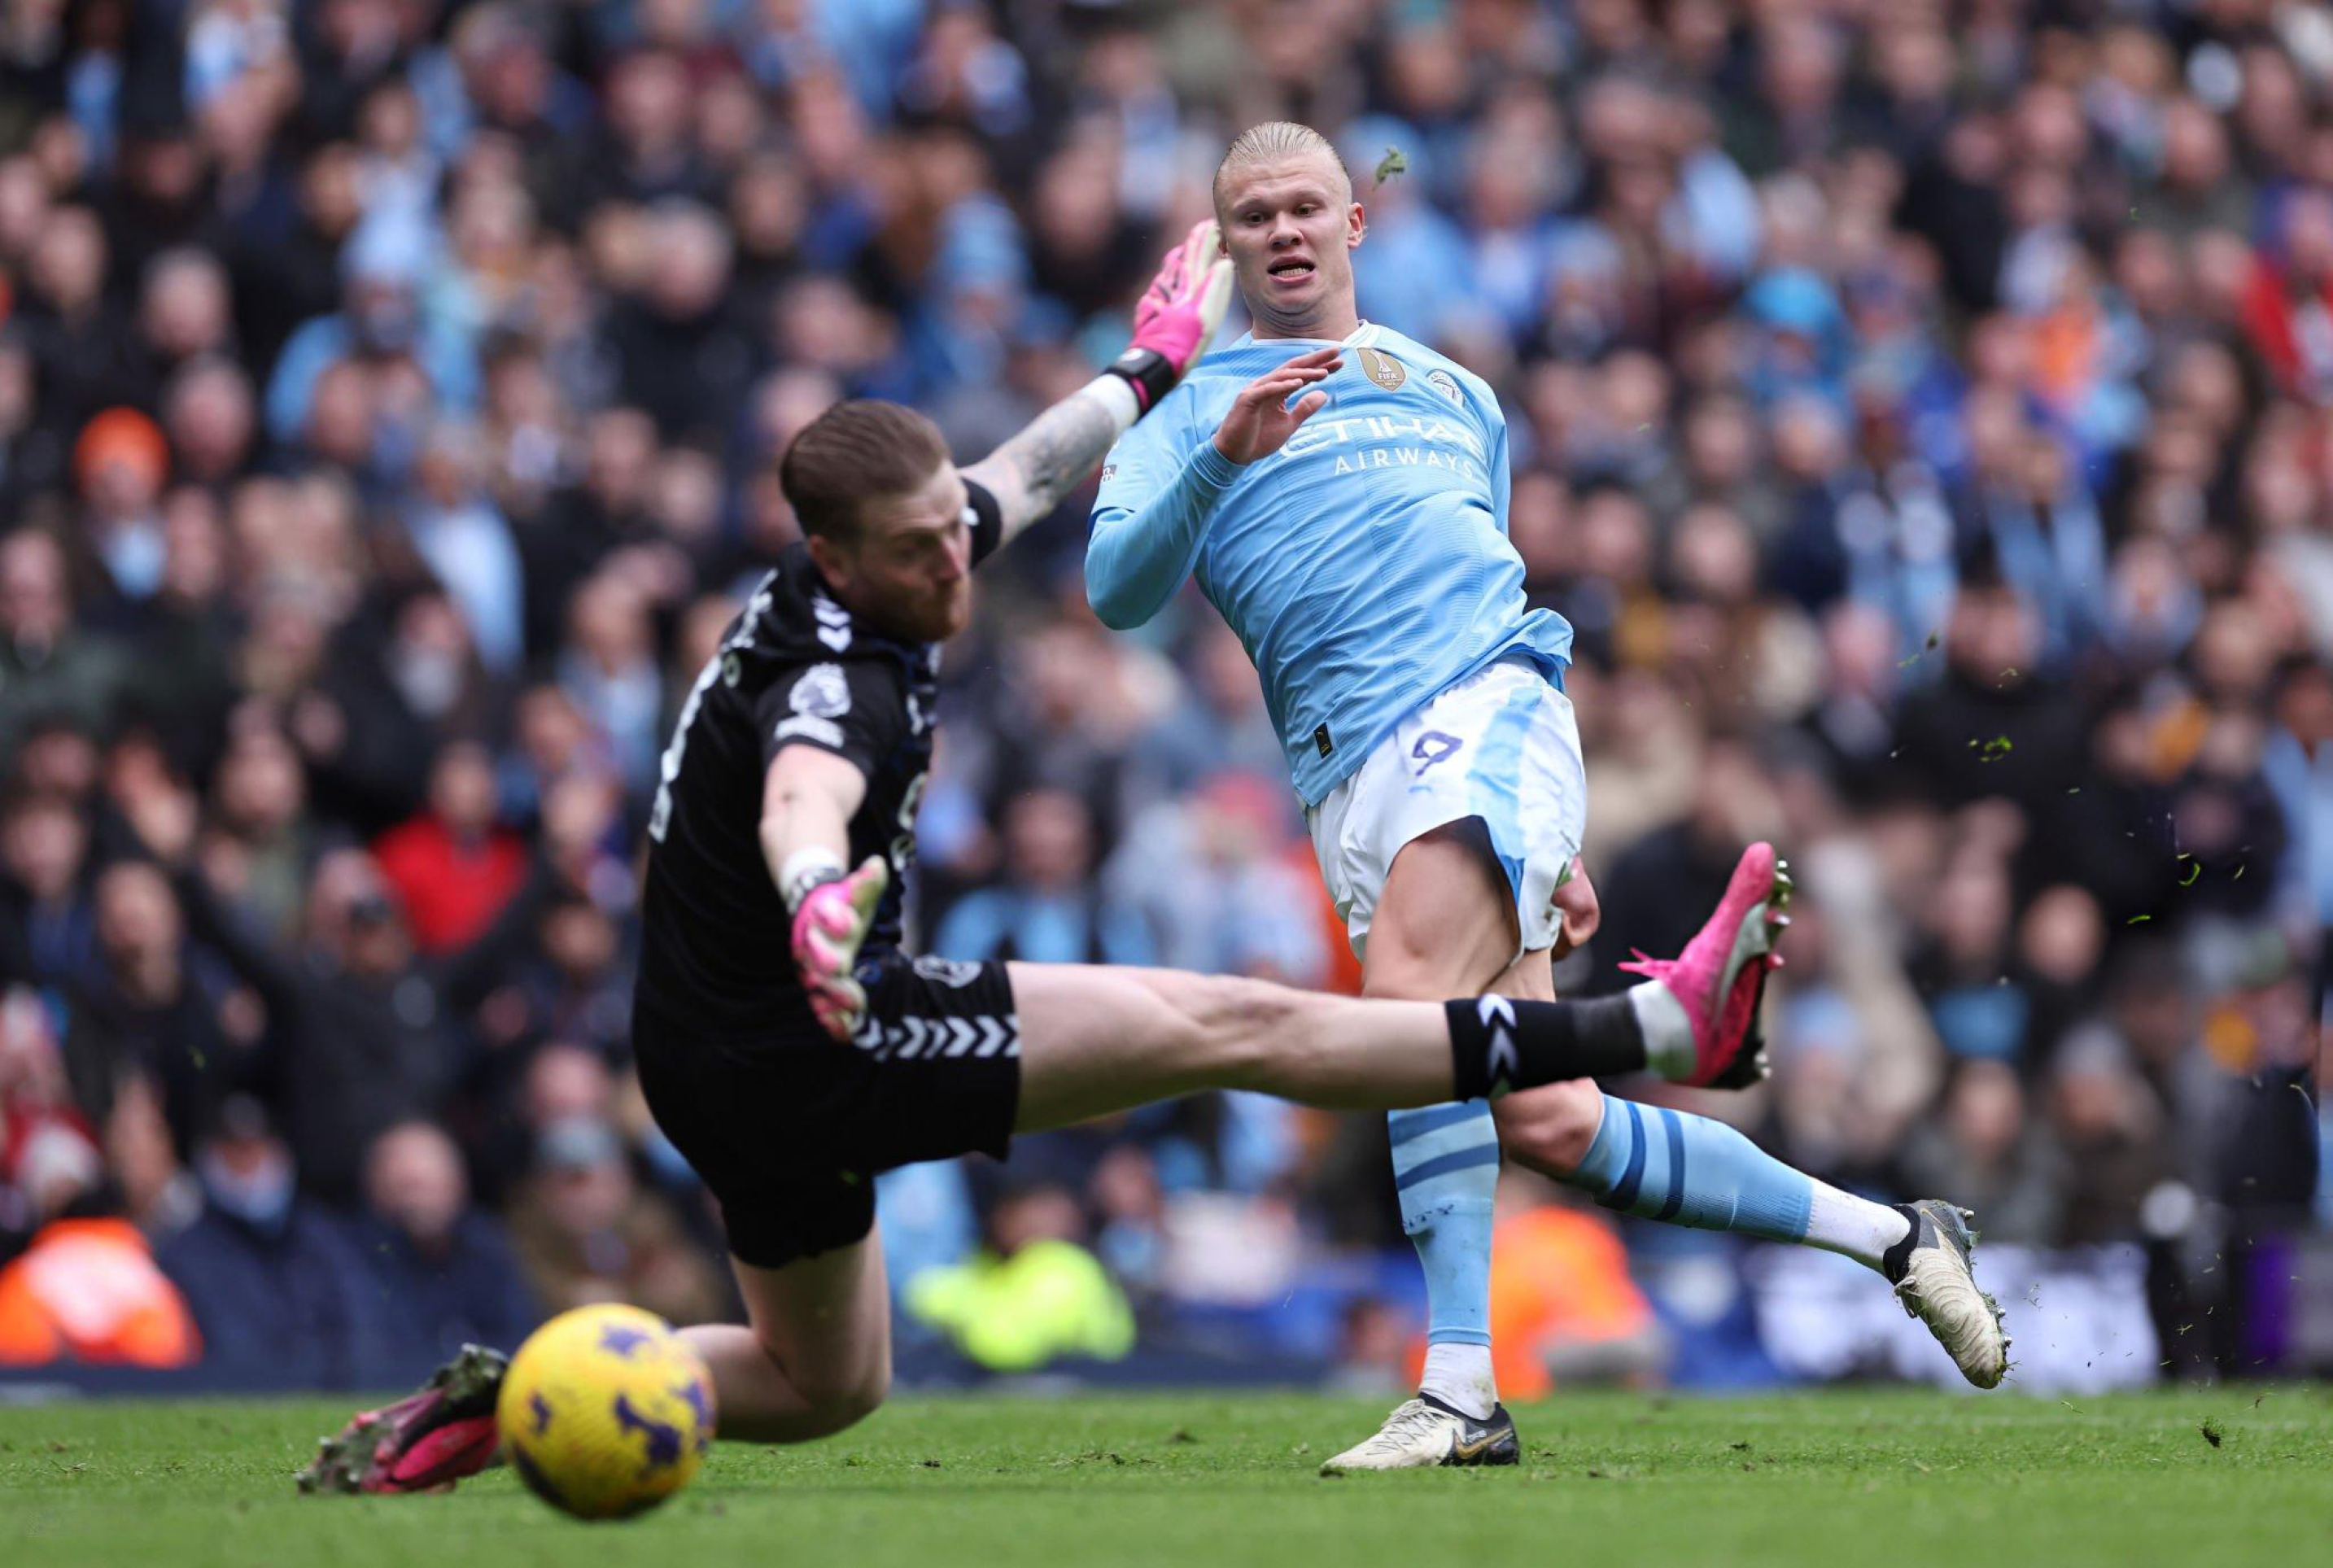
x=1274 y=141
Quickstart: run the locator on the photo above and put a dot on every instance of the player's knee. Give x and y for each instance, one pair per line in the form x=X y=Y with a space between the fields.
x=843 y=1397
x=1550 y=1129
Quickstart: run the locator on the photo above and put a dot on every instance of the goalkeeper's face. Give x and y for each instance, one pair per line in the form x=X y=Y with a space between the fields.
x=908 y=567
x=1289 y=227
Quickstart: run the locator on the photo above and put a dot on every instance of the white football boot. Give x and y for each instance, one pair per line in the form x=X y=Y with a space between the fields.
x=1935 y=1283
x=1424 y=1432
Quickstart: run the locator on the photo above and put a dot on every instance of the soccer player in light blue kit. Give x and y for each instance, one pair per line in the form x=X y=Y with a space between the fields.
x=1346 y=510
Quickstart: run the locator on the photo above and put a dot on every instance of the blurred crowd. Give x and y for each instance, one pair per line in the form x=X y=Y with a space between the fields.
x=1922 y=410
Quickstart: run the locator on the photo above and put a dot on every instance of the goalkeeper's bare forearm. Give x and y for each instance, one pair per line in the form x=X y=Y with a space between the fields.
x=1034 y=471
x=1031 y=473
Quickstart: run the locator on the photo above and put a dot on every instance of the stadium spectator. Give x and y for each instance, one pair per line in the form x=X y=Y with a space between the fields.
x=46 y=928
x=86 y=1291
x=1032 y=1295
x=275 y=1281
x=50 y=663
x=454 y=867
x=145 y=1016
x=586 y=1232
x=1044 y=909
x=442 y=1272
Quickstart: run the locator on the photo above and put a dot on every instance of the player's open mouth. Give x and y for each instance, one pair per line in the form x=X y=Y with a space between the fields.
x=1294 y=270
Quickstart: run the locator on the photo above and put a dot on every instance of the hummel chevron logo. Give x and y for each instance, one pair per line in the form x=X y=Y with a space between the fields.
x=833 y=622
x=1502 y=1065
x=912 y=1038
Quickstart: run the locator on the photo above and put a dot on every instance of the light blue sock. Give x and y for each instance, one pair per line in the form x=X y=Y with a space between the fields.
x=1662 y=1164
x=1666 y=1165
x=1446 y=1168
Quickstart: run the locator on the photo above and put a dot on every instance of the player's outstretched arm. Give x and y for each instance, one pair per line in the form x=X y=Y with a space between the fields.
x=1173 y=324
x=1139 y=554
x=808 y=797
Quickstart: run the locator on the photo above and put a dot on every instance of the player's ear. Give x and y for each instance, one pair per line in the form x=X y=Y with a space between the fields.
x=829 y=557
x=1357 y=224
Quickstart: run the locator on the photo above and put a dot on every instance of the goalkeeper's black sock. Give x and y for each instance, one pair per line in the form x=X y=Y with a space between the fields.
x=1498 y=1045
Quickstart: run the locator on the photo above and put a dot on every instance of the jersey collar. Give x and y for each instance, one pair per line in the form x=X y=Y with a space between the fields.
x=1364 y=336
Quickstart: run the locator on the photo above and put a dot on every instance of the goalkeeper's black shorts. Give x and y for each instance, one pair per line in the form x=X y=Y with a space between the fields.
x=789 y=1131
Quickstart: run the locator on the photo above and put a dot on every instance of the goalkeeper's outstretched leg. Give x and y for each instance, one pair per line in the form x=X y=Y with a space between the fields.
x=1071 y=1042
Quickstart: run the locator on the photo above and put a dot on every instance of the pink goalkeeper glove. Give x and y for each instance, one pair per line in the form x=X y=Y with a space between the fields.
x=1177 y=315
x=830 y=920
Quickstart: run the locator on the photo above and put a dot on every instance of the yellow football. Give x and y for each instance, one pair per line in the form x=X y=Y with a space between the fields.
x=605 y=1411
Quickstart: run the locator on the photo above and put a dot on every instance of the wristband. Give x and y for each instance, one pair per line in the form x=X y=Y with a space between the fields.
x=1149 y=372
x=806 y=871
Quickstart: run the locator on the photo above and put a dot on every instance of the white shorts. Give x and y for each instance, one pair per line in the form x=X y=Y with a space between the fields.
x=1501 y=744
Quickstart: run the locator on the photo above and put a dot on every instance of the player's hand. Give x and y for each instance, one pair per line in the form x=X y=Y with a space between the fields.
x=1261 y=419
x=829 y=924
x=1582 y=913
x=1177 y=315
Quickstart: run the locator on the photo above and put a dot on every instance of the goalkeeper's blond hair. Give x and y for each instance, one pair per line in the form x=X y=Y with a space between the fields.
x=1275 y=141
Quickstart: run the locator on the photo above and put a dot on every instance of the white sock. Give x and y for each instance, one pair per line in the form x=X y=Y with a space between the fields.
x=1843 y=1223
x=1459 y=1375
x=1669 y=1033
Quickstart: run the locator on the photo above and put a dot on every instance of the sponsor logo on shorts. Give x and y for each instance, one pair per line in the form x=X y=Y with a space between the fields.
x=1382 y=368
x=957 y=972
x=1443 y=382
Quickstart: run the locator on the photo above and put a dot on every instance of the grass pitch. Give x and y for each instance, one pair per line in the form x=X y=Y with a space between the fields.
x=1209 y=1482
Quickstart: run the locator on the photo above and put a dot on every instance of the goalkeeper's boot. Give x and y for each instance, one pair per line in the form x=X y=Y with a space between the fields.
x=1933 y=1279
x=1424 y=1432
x=1719 y=978
x=426 y=1441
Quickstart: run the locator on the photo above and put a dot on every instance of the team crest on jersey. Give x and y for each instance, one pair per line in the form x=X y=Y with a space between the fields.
x=821 y=692
x=1382 y=368
x=1443 y=382
x=957 y=972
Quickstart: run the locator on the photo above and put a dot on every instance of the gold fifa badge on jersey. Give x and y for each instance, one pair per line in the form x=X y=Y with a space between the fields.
x=1382 y=368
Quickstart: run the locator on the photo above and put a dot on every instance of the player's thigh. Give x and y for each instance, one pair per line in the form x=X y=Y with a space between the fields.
x=1445 y=923
x=826 y=1321
x=1095 y=1040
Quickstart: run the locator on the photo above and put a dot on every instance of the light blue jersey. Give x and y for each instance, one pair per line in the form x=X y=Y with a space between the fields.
x=1365 y=565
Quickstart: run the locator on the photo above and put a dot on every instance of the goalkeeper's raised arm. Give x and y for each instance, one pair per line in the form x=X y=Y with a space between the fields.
x=1173 y=324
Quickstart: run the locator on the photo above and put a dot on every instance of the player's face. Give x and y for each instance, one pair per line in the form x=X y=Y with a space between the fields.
x=1290 y=228
x=910 y=571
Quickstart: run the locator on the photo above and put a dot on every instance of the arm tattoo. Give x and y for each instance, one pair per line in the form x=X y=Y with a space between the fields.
x=1031 y=472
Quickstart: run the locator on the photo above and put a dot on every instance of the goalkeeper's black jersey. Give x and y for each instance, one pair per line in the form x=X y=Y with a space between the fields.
x=794 y=668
